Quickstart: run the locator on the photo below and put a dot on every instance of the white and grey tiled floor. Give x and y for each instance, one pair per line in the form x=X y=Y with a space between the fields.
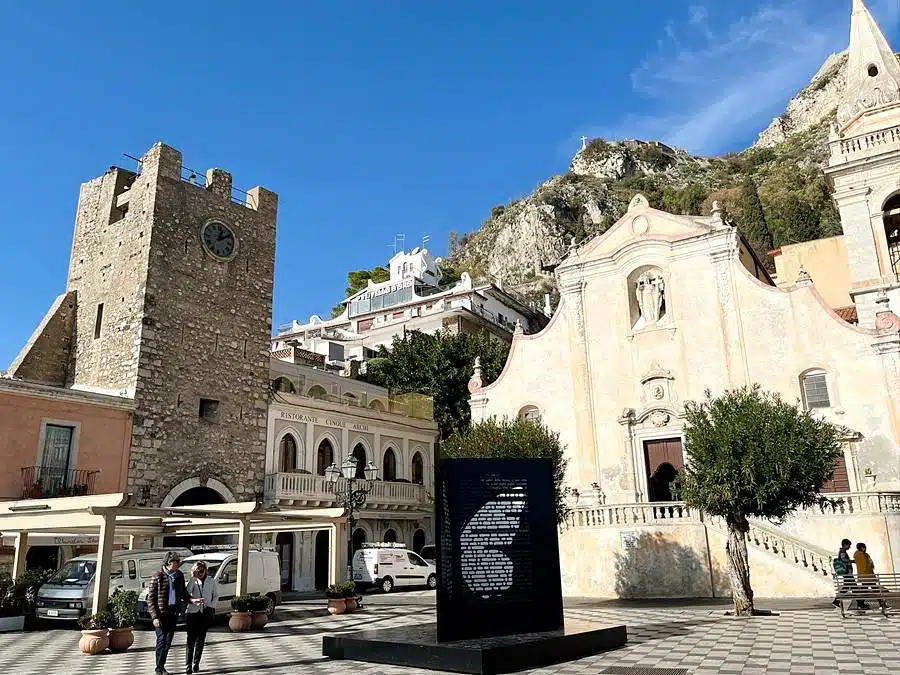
x=806 y=637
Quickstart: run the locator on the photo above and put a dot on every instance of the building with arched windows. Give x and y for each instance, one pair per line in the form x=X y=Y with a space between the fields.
x=317 y=418
x=661 y=308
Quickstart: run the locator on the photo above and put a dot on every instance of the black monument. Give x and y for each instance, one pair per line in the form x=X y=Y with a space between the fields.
x=499 y=598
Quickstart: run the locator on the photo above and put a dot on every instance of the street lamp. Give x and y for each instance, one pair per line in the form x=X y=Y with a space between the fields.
x=351 y=494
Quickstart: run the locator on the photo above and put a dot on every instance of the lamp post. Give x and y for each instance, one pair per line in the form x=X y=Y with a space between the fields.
x=351 y=494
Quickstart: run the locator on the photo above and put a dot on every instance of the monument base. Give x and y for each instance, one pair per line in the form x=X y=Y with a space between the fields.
x=417 y=646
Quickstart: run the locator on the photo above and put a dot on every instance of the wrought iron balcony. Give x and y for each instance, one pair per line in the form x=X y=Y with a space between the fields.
x=45 y=482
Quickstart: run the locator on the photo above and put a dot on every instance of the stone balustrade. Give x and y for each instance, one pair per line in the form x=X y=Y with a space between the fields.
x=847 y=148
x=620 y=515
x=304 y=489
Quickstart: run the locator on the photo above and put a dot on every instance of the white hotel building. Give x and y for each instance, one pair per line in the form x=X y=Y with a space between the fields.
x=412 y=299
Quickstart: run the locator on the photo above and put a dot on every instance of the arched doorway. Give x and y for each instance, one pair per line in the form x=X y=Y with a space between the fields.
x=389 y=465
x=359 y=538
x=418 y=469
x=418 y=540
x=359 y=454
x=284 y=542
x=198 y=496
x=324 y=456
x=320 y=572
x=390 y=536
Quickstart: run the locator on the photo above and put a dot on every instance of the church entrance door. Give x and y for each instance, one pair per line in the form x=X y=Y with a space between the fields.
x=664 y=460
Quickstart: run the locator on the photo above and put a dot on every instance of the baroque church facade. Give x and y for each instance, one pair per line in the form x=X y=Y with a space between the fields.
x=661 y=308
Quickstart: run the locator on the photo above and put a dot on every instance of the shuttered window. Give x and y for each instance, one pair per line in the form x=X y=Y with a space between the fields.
x=815 y=390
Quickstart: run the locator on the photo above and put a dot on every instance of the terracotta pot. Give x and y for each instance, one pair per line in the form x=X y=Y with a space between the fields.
x=337 y=605
x=120 y=639
x=351 y=604
x=240 y=622
x=258 y=619
x=93 y=641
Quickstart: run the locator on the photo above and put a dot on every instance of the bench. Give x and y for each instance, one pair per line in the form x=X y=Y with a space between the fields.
x=876 y=587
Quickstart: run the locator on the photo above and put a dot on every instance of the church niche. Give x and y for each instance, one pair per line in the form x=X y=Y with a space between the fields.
x=647 y=298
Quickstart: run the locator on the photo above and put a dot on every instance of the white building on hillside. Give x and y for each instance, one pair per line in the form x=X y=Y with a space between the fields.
x=318 y=418
x=412 y=299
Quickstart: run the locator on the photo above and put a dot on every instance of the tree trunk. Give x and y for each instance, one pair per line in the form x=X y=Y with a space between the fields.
x=739 y=567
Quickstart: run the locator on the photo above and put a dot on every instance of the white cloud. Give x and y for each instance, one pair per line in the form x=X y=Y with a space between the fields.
x=717 y=84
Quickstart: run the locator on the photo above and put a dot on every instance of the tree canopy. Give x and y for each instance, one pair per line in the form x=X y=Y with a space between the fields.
x=439 y=365
x=513 y=439
x=753 y=455
x=752 y=222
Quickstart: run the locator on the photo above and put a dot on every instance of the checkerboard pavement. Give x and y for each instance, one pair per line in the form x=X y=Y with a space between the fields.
x=803 y=638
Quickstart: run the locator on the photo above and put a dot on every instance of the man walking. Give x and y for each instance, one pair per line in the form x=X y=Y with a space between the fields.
x=164 y=599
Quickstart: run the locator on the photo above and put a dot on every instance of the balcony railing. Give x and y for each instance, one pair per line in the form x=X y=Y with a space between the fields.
x=44 y=482
x=313 y=490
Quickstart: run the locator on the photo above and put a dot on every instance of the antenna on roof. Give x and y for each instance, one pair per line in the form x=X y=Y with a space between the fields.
x=425 y=239
x=402 y=239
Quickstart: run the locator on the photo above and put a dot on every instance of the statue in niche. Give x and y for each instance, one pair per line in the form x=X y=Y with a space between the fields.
x=650 y=291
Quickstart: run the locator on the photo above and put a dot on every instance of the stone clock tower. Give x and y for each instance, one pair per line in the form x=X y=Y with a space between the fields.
x=169 y=301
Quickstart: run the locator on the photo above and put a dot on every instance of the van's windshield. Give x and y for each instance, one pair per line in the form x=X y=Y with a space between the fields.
x=75 y=573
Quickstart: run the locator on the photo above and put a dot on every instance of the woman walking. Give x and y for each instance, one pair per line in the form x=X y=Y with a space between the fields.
x=204 y=593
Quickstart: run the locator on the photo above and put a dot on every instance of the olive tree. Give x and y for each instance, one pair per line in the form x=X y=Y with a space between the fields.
x=753 y=455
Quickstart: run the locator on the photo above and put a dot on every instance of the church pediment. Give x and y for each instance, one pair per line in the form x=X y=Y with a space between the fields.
x=643 y=223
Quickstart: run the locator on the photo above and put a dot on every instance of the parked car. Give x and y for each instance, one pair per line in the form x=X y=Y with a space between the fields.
x=388 y=566
x=428 y=553
x=70 y=592
x=263 y=578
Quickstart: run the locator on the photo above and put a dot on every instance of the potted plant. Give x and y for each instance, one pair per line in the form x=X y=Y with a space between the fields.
x=240 y=620
x=337 y=603
x=350 y=596
x=12 y=605
x=122 y=609
x=870 y=478
x=37 y=490
x=94 y=632
x=259 y=616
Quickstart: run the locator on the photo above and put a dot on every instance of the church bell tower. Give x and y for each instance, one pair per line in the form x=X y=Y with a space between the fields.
x=864 y=165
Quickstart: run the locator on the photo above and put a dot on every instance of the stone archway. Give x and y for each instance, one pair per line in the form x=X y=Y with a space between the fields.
x=225 y=496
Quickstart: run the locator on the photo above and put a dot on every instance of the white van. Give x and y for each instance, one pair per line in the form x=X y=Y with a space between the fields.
x=390 y=565
x=263 y=578
x=70 y=592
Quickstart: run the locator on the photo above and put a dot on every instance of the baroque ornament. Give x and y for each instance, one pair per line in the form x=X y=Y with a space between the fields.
x=659 y=418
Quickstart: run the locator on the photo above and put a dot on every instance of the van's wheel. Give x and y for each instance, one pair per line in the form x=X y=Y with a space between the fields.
x=270 y=605
x=432 y=581
x=387 y=585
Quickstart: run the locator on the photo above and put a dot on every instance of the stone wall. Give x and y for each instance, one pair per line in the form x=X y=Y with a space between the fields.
x=205 y=333
x=45 y=358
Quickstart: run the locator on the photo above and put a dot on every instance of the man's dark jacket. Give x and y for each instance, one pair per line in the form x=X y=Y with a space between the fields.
x=158 y=595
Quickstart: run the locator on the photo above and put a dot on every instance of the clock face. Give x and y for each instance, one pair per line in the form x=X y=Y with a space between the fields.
x=218 y=240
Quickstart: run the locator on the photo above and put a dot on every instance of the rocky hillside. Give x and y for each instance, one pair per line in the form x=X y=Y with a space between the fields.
x=782 y=171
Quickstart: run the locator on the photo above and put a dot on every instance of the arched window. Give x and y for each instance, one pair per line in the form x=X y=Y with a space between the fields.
x=389 y=465
x=890 y=213
x=324 y=456
x=418 y=540
x=390 y=537
x=359 y=538
x=418 y=469
x=815 y=389
x=530 y=414
x=377 y=405
x=359 y=454
x=317 y=392
x=284 y=385
x=288 y=454
x=350 y=398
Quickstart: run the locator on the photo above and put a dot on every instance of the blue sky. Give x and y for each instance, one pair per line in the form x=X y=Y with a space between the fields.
x=370 y=118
